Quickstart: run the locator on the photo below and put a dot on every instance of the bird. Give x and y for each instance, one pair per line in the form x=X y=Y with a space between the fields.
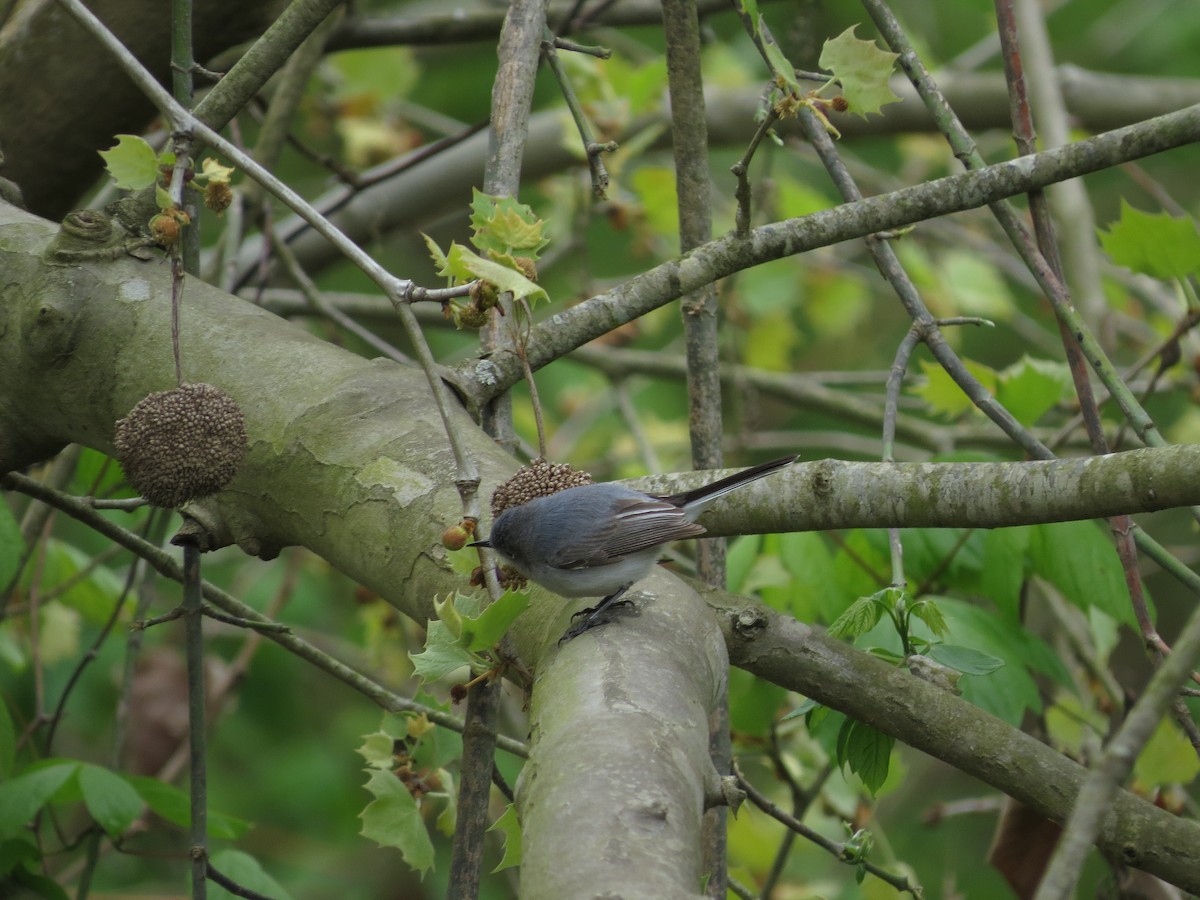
x=598 y=540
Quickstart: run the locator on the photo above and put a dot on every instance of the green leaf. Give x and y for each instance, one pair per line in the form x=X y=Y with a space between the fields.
x=1010 y=691
x=246 y=871
x=441 y=656
x=1167 y=758
x=781 y=66
x=447 y=819
x=1153 y=243
x=926 y=609
x=863 y=69
x=131 y=162
x=170 y=803
x=509 y=826
x=435 y=253
x=753 y=704
x=12 y=545
x=485 y=630
x=22 y=797
x=1005 y=551
x=8 y=742
x=965 y=660
x=379 y=750
x=462 y=260
x=861 y=616
x=866 y=751
x=110 y=799
x=942 y=395
x=1029 y=388
x=393 y=819
x=1080 y=560
x=18 y=851
x=35 y=884
x=504 y=225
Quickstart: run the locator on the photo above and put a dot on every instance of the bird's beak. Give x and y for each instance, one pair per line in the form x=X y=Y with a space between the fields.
x=483 y=543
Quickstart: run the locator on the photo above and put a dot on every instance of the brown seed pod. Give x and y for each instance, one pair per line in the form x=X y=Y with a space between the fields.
x=537 y=479
x=181 y=444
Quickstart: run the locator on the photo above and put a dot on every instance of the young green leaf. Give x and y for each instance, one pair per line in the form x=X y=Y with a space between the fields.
x=22 y=797
x=170 y=803
x=965 y=660
x=110 y=799
x=926 y=609
x=465 y=264
x=483 y=631
x=393 y=819
x=866 y=751
x=510 y=827
x=1156 y=244
x=246 y=871
x=441 y=656
x=860 y=617
x=863 y=69
x=131 y=162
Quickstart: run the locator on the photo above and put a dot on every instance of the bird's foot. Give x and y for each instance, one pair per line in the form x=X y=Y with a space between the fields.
x=600 y=614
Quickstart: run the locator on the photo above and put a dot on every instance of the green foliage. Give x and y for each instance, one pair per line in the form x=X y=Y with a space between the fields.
x=133 y=164
x=246 y=871
x=459 y=637
x=1028 y=388
x=510 y=828
x=172 y=804
x=113 y=803
x=863 y=69
x=22 y=797
x=1079 y=560
x=1156 y=244
x=393 y=819
x=866 y=751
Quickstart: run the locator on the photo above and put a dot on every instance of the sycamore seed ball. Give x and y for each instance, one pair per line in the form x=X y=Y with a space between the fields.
x=537 y=479
x=179 y=445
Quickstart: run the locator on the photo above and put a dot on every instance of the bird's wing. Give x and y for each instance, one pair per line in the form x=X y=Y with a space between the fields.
x=637 y=525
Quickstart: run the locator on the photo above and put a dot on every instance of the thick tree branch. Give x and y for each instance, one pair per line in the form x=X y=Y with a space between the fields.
x=793 y=655
x=558 y=335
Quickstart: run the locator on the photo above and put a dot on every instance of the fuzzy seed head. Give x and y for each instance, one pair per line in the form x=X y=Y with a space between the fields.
x=181 y=444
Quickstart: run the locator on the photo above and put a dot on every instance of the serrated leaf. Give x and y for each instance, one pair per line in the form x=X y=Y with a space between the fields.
x=965 y=660
x=863 y=69
x=860 y=617
x=928 y=612
x=781 y=66
x=1030 y=387
x=393 y=819
x=447 y=819
x=215 y=173
x=465 y=264
x=246 y=871
x=486 y=629
x=866 y=751
x=1153 y=243
x=1080 y=560
x=435 y=253
x=441 y=656
x=505 y=225
x=379 y=750
x=509 y=826
x=110 y=799
x=23 y=796
x=131 y=162
x=942 y=395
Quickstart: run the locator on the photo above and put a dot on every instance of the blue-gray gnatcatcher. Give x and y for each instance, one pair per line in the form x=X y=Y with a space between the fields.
x=596 y=540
